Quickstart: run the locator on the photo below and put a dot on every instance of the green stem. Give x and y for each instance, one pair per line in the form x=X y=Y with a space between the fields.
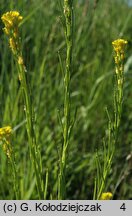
x=113 y=130
x=34 y=150
x=15 y=177
x=67 y=119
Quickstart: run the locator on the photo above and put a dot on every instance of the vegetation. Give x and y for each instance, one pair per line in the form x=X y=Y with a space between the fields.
x=65 y=98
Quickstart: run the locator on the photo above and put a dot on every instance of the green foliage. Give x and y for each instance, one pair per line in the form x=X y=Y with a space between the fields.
x=96 y=25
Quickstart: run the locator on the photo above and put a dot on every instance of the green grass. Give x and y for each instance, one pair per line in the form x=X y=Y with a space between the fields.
x=91 y=91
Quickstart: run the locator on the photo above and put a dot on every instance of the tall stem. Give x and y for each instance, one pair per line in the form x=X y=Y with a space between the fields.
x=68 y=13
x=34 y=151
x=114 y=126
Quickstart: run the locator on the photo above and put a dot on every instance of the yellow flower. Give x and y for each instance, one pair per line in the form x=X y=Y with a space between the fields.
x=11 y=21
x=119 y=45
x=20 y=60
x=119 y=48
x=5 y=132
x=7 y=148
x=13 y=44
x=106 y=196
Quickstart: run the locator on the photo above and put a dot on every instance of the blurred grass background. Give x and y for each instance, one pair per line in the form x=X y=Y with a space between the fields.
x=96 y=24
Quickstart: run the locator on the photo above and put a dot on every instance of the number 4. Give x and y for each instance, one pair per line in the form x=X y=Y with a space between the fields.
x=123 y=207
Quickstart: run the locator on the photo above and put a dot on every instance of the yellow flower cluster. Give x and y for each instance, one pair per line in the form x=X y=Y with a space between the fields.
x=5 y=133
x=119 y=45
x=119 y=48
x=11 y=21
x=106 y=196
